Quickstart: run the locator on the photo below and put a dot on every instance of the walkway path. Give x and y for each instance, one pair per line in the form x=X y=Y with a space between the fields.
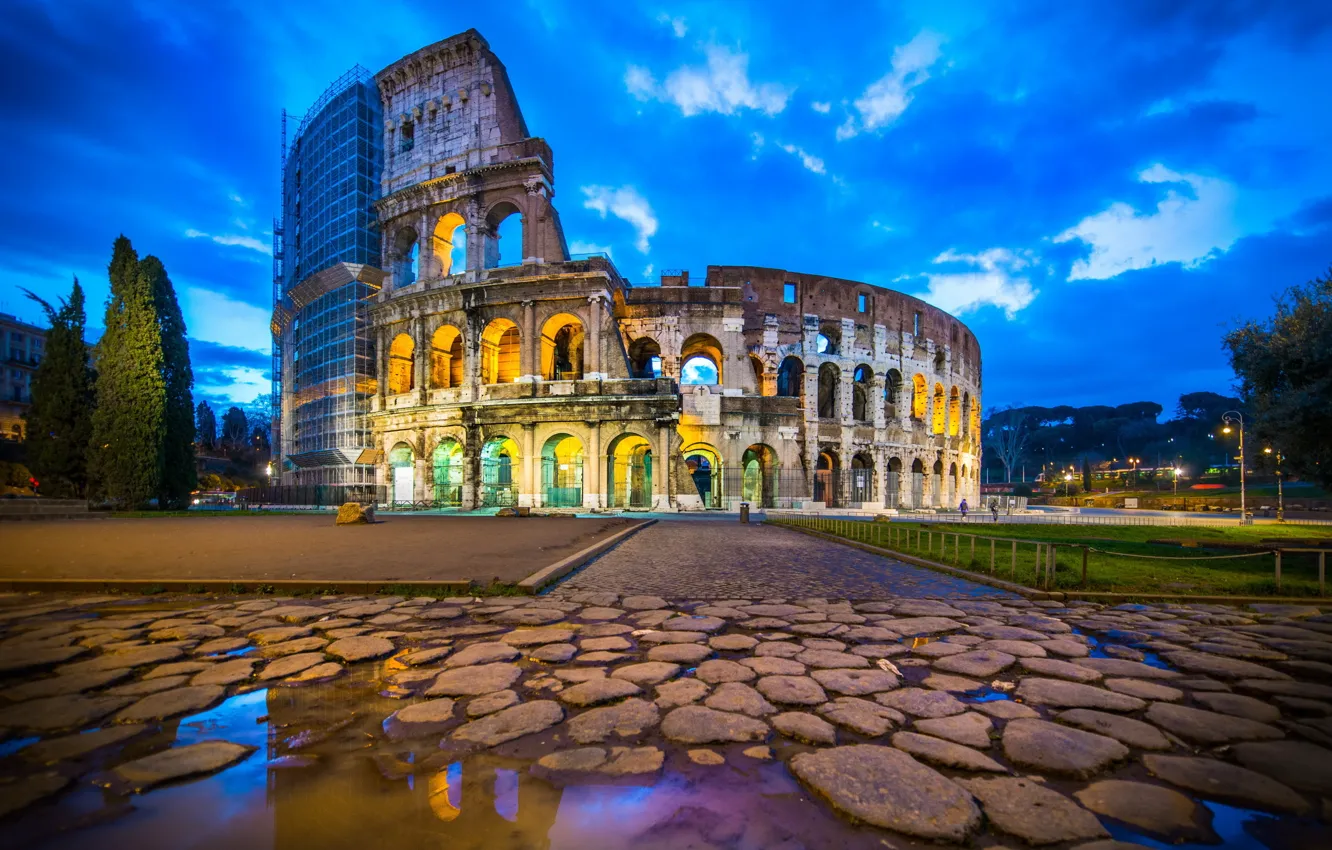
x=682 y=559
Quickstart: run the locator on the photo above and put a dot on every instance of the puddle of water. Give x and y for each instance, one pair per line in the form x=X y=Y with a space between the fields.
x=8 y=748
x=988 y=694
x=1097 y=647
x=244 y=650
x=1231 y=823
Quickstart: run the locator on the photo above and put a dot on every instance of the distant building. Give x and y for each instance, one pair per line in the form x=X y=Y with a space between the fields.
x=326 y=254
x=24 y=347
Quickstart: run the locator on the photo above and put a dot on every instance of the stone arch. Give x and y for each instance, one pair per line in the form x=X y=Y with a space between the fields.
x=446 y=464
x=406 y=256
x=965 y=418
x=892 y=390
x=705 y=347
x=401 y=364
x=629 y=471
x=501 y=349
x=501 y=465
x=954 y=412
x=830 y=379
x=829 y=340
x=562 y=338
x=402 y=474
x=446 y=357
x=827 y=475
x=756 y=363
x=703 y=463
x=645 y=358
x=791 y=378
x=450 y=244
x=862 y=383
x=862 y=477
x=952 y=486
x=919 y=396
x=939 y=413
x=917 y=483
x=758 y=484
x=893 y=483
x=976 y=420
x=496 y=216
x=562 y=471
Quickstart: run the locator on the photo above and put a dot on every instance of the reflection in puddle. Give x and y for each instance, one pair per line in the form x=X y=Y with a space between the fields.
x=8 y=748
x=1232 y=824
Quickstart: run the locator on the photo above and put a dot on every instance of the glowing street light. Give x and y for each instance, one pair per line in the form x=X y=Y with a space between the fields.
x=1177 y=472
x=1236 y=418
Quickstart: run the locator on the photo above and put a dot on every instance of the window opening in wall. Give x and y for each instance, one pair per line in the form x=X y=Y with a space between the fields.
x=788 y=293
x=791 y=378
x=829 y=379
x=862 y=302
x=450 y=169
x=407 y=137
x=915 y=327
x=645 y=358
x=698 y=370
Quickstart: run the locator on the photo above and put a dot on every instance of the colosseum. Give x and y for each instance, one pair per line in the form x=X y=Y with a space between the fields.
x=555 y=383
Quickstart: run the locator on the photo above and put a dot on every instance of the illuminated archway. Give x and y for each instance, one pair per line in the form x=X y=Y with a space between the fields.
x=952 y=486
x=500 y=463
x=954 y=412
x=919 y=398
x=629 y=472
x=791 y=378
x=401 y=365
x=402 y=474
x=759 y=481
x=704 y=466
x=446 y=464
x=501 y=346
x=698 y=350
x=645 y=357
x=446 y=357
x=862 y=477
x=507 y=251
x=827 y=478
x=562 y=472
x=940 y=412
x=451 y=244
x=562 y=348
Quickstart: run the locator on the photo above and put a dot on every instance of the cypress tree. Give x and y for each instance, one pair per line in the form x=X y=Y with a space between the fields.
x=59 y=423
x=205 y=424
x=178 y=476
x=128 y=424
x=1086 y=475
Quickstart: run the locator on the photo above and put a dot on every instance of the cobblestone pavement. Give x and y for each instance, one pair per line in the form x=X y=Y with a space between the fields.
x=677 y=558
x=911 y=721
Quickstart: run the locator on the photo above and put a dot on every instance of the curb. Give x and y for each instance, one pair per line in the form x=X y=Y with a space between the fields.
x=534 y=583
x=216 y=585
x=979 y=578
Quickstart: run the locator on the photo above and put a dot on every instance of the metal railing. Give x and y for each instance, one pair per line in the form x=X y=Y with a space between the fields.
x=979 y=517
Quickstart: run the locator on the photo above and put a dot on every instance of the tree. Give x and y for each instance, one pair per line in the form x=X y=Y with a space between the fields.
x=1006 y=434
x=235 y=428
x=126 y=459
x=59 y=422
x=205 y=425
x=259 y=415
x=1086 y=475
x=1284 y=367
x=178 y=476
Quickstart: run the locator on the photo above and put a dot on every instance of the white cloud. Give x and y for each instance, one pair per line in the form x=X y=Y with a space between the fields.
x=809 y=161
x=233 y=239
x=213 y=317
x=578 y=246
x=888 y=97
x=993 y=285
x=627 y=205
x=722 y=86
x=1187 y=227
x=677 y=25
x=647 y=271
x=821 y=106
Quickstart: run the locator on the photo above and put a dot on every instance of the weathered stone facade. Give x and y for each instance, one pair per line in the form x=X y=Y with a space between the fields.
x=554 y=383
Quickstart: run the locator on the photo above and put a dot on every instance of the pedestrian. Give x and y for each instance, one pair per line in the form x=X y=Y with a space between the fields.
x=963 y=508
x=994 y=509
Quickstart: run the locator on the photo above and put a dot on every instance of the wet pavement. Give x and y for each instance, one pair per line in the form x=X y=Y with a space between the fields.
x=702 y=559
x=593 y=720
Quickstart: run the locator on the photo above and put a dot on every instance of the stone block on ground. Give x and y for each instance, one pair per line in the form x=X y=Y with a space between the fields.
x=354 y=513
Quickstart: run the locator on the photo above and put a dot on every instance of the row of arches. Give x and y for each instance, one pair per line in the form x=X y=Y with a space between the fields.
x=562 y=351
x=444 y=247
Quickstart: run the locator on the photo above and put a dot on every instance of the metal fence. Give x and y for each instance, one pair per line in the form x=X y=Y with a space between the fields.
x=311 y=496
x=1169 y=520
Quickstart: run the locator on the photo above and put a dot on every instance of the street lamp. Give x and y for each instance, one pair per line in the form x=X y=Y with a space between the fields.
x=1177 y=472
x=1068 y=484
x=1281 y=502
x=1237 y=418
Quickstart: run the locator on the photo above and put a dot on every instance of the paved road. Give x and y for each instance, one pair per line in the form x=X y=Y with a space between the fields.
x=718 y=560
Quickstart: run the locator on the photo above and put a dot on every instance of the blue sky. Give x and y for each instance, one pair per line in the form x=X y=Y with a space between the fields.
x=1099 y=190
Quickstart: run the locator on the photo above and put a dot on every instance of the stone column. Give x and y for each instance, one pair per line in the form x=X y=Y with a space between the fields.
x=526 y=480
x=878 y=399
x=530 y=352
x=471 y=357
x=592 y=350
x=661 y=469
x=418 y=479
x=423 y=347
x=381 y=368
x=427 y=268
x=471 y=467
x=593 y=463
x=846 y=393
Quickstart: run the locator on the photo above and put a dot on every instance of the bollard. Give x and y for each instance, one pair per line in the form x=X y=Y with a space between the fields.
x=744 y=511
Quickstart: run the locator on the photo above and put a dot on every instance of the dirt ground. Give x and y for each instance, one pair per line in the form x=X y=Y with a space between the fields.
x=397 y=548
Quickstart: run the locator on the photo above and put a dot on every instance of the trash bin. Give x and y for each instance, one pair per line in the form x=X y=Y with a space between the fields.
x=744 y=511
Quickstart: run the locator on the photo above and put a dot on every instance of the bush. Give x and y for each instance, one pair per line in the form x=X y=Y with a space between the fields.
x=14 y=474
x=1022 y=490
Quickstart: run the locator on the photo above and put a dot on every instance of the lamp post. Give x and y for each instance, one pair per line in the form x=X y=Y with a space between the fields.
x=1068 y=484
x=1234 y=416
x=1177 y=471
x=1281 y=502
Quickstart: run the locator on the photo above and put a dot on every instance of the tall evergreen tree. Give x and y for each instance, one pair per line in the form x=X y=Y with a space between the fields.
x=59 y=423
x=205 y=425
x=179 y=476
x=1086 y=474
x=128 y=424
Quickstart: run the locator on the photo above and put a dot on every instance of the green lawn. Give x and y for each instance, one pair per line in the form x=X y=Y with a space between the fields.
x=1111 y=565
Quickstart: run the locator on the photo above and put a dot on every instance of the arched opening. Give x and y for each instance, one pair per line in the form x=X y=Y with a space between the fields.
x=401 y=365
x=917 y=483
x=504 y=243
x=952 y=486
x=757 y=365
x=862 y=384
x=862 y=478
x=446 y=357
x=406 y=257
x=939 y=412
x=630 y=472
x=976 y=421
x=939 y=361
x=830 y=377
x=827 y=478
x=562 y=472
x=791 y=378
x=966 y=416
x=829 y=340
x=500 y=349
x=451 y=244
x=964 y=483
x=919 y=399
x=562 y=348
x=645 y=357
x=705 y=470
x=402 y=475
x=499 y=461
x=892 y=392
x=759 y=476
x=936 y=484
x=893 y=482
x=701 y=360
x=446 y=464
x=954 y=412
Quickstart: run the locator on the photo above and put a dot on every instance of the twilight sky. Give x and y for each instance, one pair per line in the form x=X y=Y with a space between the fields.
x=1099 y=190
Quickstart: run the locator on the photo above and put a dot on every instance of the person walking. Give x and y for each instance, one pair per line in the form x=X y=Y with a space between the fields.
x=994 y=509
x=963 y=508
